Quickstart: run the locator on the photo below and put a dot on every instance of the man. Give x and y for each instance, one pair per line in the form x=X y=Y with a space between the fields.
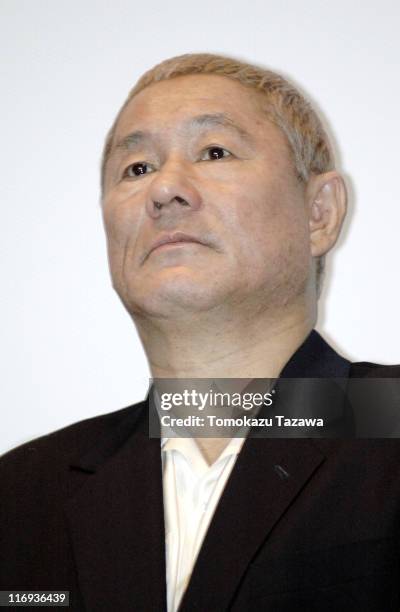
x=220 y=201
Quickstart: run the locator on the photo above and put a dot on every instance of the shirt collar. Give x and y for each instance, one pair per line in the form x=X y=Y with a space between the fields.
x=189 y=449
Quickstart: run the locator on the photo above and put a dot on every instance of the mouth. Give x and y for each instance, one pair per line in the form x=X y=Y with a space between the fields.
x=170 y=240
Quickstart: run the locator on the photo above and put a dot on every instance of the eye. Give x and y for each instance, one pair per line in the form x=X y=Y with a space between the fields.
x=215 y=153
x=137 y=169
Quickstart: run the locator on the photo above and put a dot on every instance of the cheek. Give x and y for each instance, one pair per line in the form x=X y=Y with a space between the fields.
x=121 y=220
x=257 y=210
x=267 y=222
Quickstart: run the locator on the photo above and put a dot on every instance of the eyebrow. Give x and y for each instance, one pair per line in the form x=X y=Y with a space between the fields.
x=211 y=120
x=206 y=121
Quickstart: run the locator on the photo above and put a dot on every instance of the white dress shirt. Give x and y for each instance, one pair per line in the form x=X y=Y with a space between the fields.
x=192 y=489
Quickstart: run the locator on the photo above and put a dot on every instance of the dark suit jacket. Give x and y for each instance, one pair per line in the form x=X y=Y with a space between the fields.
x=81 y=510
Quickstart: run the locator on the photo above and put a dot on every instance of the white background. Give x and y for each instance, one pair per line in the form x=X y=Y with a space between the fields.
x=69 y=350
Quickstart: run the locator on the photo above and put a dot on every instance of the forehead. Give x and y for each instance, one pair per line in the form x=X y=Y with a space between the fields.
x=176 y=99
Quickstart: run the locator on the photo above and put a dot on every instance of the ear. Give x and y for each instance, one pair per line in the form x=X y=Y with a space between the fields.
x=327 y=201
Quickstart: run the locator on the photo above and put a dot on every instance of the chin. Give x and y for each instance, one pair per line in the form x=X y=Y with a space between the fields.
x=176 y=296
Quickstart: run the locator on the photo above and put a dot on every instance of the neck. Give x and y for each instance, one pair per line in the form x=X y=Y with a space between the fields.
x=199 y=346
x=232 y=347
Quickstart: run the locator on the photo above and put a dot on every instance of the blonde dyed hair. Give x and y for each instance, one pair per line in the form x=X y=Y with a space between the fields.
x=284 y=105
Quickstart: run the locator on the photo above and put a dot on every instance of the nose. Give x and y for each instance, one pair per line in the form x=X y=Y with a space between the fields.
x=172 y=192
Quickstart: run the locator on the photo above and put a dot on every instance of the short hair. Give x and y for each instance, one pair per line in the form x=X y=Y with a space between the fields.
x=285 y=106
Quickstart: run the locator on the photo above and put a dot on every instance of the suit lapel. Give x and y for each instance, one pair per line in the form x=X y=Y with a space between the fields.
x=255 y=498
x=116 y=522
x=268 y=476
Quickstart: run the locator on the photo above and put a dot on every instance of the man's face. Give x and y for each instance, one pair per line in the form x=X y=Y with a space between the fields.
x=196 y=155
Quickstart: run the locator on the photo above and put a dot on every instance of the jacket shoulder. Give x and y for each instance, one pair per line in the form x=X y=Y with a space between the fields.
x=60 y=447
x=366 y=369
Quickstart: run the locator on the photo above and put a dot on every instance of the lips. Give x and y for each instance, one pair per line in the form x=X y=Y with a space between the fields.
x=175 y=238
